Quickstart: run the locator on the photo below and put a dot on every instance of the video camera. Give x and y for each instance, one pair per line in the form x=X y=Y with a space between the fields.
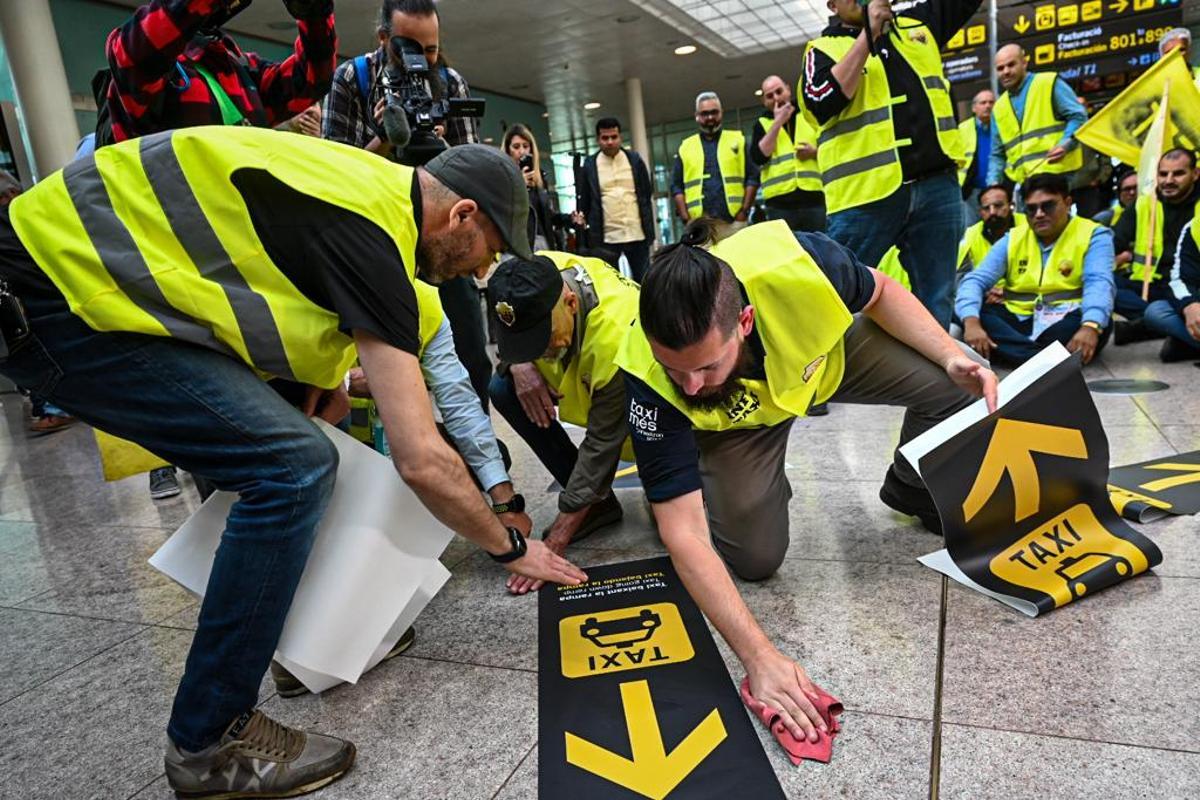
x=416 y=104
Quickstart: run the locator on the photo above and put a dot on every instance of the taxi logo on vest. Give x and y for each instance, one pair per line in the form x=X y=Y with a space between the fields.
x=917 y=36
x=811 y=369
x=506 y=313
x=742 y=405
x=1066 y=268
x=623 y=639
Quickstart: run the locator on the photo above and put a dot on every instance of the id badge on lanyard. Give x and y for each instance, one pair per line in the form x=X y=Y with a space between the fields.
x=1045 y=316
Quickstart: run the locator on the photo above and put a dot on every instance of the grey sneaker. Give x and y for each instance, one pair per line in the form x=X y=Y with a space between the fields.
x=163 y=483
x=258 y=757
x=288 y=685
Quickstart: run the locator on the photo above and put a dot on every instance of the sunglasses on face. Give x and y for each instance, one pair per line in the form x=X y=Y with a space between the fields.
x=709 y=113
x=1047 y=208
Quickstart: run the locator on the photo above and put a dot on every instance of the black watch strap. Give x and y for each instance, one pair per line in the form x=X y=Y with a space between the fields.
x=519 y=547
x=515 y=505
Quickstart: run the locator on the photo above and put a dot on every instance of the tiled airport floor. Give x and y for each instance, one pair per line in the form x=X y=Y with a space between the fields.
x=1097 y=699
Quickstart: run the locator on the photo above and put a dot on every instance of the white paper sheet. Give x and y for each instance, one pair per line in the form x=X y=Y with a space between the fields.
x=943 y=563
x=373 y=568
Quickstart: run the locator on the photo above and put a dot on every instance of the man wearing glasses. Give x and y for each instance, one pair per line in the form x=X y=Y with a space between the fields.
x=1057 y=272
x=713 y=175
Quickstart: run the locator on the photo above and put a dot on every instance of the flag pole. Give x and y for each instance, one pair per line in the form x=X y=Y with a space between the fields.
x=1148 y=259
x=1149 y=162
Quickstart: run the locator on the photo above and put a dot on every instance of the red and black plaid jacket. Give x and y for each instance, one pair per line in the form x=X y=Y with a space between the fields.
x=148 y=93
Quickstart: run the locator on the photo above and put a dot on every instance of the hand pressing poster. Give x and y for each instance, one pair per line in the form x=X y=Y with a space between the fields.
x=1022 y=493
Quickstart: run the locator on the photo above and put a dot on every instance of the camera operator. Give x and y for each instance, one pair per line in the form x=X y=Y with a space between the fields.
x=173 y=67
x=545 y=221
x=353 y=114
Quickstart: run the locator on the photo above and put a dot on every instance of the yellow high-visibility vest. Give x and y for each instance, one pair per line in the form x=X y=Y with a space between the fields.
x=785 y=172
x=151 y=236
x=890 y=265
x=1141 y=238
x=430 y=316
x=805 y=354
x=858 y=150
x=970 y=140
x=1060 y=281
x=731 y=160
x=1027 y=141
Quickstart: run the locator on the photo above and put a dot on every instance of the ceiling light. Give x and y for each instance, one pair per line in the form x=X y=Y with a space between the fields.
x=758 y=92
x=685 y=50
x=592 y=106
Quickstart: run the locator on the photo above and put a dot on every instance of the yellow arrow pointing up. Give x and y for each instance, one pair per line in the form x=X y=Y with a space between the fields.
x=1191 y=475
x=1011 y=450
x=1021 y=25
x=652 y=772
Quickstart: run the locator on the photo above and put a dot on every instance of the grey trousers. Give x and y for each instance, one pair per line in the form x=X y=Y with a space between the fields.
x=745 y=488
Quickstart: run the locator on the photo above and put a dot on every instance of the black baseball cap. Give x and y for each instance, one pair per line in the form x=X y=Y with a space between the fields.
x=490 y=178
x=522 y=293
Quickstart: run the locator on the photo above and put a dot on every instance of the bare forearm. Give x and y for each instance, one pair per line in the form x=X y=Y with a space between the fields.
x=766 y=145
x=748 y=199
x=681 y=207
x=900 y=313
x=848 y=71
x=684 y=530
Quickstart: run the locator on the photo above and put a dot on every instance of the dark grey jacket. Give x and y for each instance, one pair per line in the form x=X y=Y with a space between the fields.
x=592 y=208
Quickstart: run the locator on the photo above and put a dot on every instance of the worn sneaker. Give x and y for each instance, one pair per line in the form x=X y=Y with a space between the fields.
x=288 y=685
x=258 y=757
x=911 y=500
x=1174 y=350
x=163 y=483
x=1130 y=332
x=50 y=423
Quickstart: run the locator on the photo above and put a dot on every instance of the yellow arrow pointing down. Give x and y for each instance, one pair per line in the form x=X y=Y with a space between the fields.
x=1011 y=449
x=652 y=772
x=1191 y=475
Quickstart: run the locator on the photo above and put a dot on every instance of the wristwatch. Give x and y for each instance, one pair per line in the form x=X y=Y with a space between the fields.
x=1096 y=326
x=519 y=547
x=515 y=505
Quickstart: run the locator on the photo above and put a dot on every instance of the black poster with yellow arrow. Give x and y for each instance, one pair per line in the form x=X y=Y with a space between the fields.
x=1024 y=503
x=1154 y=489
x=634 y=700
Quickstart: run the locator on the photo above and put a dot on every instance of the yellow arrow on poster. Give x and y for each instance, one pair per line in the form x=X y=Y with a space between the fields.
x=1011 y=450
x=1022 y=24
x=652 y=772
x=1191 y=475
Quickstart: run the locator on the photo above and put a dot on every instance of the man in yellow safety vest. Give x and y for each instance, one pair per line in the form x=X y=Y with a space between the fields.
x=713 y=175
x=784 y=145
x=1058 y=283
x=149 y=288
x=733 y=344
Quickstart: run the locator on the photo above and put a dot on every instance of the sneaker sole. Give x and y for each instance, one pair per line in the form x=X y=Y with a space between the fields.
x=163 y=494
x=307 y=788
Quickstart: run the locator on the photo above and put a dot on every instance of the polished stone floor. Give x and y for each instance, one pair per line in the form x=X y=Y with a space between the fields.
x=1097 y=699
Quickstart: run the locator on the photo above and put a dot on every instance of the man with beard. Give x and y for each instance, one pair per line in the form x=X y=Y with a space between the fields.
x=713 y=175
x=784 y=145
x=1058 y=284
x=1172 y=207
x=995 y=218
x=733 y=344
x=149 y=288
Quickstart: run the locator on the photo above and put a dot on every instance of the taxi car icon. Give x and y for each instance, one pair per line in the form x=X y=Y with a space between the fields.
x=1091 y=570
x=621 y=632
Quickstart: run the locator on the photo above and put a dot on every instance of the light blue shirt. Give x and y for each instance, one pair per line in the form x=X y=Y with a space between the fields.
x=468 y=425
x=1066 y=107
x=1099 y=289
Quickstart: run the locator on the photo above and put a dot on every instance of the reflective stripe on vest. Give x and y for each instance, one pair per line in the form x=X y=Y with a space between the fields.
x=786 y=173
x=1141 y=239
x=151 y=236
x=805 y=355
x=731 y=163
x=858 y=151
x=1026 y=142
x=1060 y=280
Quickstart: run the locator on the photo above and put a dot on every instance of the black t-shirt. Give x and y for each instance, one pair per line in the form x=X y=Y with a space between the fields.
x=1174 y=217
x=912 y=119
x=339 y=260
x=668 y=461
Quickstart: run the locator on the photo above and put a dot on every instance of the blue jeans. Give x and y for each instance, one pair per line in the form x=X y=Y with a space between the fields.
x=1011 y=334
x=925 y=220
x=211 y=416
x=551 y=445
x=1128 y=301
x=1166 y=317
x=799 y=218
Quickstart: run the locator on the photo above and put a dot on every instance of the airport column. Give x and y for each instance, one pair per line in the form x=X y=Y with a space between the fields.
x=40 y=79
x=637 y=120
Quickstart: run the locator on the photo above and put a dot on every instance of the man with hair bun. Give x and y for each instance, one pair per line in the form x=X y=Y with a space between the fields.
x=733 y=343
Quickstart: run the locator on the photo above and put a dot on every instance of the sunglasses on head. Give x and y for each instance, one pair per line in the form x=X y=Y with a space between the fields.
x=1047 y=208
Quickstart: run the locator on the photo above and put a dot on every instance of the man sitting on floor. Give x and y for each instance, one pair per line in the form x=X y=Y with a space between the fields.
x=1058 y=282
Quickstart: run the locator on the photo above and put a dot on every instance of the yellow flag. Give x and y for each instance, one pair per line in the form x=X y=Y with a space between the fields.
x=1121 y=127
x=1152 y=146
